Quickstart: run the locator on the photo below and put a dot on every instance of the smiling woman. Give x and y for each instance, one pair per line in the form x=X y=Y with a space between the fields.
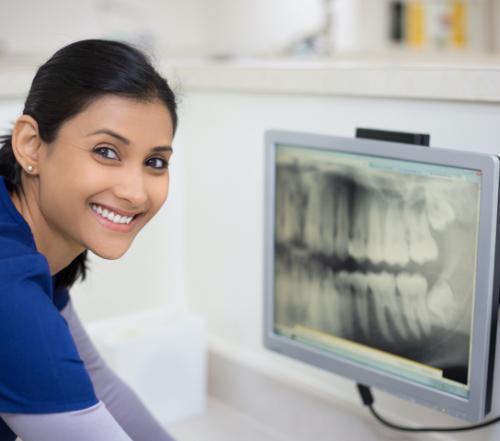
x=85 y=168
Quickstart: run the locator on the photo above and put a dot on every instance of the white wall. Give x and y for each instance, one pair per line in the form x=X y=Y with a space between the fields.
x=163 y=26
x=224 y=179
x=166 y=27
x=259 y=27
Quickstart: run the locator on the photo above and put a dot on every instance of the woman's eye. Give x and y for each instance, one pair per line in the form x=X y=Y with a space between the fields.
x=106 y=152
x=157 y=163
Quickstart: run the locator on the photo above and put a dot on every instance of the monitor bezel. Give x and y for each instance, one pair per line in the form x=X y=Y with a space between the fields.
x=483 y=337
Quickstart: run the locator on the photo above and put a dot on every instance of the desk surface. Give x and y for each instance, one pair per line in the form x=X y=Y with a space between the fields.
x=222 y=423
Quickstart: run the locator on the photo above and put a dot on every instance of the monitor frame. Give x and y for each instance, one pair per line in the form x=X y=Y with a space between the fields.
x=483 y=336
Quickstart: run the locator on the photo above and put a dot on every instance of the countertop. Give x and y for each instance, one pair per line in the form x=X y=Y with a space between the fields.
x=221 y=422
x=476 y=79
x=442 y=78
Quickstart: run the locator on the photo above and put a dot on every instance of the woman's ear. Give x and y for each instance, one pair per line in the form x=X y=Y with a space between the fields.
x=26 y=143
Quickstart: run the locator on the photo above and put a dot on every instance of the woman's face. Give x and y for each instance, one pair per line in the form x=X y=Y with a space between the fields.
x=105 y=176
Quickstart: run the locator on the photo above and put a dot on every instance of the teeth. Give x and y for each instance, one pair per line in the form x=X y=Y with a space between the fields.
x=312 y=227
x=290 y=201
x=327 y=219
x=346 y=297
x=383 y=288
x=113 y=217
x=413 y=290
x=358 y=239
x=396 y=247
x=341 y=225
x=360 y=286
x=323 y=309
x=376 y=223
x=422 y=246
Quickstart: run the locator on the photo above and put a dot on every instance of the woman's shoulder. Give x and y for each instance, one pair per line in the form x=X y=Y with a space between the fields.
x=15 y=234
x=22 y=267
x=22 y=274
x=40 y=369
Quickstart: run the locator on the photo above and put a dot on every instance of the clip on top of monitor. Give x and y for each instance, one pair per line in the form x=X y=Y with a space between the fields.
x=422 y=139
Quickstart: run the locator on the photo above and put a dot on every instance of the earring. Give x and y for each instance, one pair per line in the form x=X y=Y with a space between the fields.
x=30 y=168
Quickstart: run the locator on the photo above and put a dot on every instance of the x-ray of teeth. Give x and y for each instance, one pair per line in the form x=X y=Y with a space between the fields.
x=379 y=257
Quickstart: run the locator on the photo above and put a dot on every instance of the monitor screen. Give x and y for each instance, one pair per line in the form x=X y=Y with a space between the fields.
x=374 y=249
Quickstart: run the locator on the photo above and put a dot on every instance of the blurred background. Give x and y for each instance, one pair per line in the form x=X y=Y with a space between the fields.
x=223 y=28
x=180 y=315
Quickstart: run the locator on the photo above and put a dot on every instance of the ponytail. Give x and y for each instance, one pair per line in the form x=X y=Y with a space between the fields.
x=9 y=167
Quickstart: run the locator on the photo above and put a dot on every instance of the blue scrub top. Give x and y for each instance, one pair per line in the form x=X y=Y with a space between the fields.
x=40 y=368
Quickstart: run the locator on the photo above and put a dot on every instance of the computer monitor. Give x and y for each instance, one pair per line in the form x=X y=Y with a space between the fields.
x=381 y=265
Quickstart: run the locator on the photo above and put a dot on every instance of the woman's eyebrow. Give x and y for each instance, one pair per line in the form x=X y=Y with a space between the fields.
x=162 y=148
x=111 y=133
x=121 y=138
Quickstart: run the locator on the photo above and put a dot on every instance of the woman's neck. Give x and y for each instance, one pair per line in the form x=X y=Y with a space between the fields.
x=58 y=252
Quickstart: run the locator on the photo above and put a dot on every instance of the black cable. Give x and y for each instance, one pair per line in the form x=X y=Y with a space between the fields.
x=367 y=398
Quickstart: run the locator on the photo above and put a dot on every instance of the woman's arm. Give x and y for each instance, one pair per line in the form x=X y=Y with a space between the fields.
x=92 y=424
x=119 y=399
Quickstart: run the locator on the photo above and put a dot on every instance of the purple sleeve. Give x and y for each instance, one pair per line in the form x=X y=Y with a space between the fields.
x=94 y=423
x=120 y=400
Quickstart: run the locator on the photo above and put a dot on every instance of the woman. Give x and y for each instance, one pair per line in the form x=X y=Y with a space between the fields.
x=85 y=168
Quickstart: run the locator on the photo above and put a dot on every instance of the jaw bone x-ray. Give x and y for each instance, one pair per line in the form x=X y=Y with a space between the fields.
x=377 y=256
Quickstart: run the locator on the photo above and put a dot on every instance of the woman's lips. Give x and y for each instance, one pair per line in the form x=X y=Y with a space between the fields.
x=112 y=225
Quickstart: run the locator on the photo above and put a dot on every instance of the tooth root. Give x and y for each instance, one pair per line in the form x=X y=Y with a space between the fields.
x=279 y=207
x=441 y=303
x=314 y=316
x=395 y=245
x=343 y=288
x=324 y=311
x=359 y=283
x=376 y=230
x=341 y=226
x=384 y=288
x=313 y=182
x=357 y=242
x=333 y=306
x=413 y=293
x=423 y=247
x=327 y=217
x=289 y=204
x=381 y=287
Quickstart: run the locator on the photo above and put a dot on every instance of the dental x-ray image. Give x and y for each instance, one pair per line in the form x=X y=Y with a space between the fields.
x=383 y=256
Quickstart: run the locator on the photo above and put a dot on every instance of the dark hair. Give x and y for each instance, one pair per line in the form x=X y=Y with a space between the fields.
x=66 y=84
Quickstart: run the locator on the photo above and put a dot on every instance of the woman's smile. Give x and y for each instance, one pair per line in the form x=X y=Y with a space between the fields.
x=113 y=218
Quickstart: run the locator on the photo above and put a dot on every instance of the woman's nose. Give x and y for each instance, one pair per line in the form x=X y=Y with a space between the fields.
x=131 y=187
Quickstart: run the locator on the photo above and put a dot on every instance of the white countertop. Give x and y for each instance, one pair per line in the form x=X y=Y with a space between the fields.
x=453 y=80
x=457 y=78
x=221 y=422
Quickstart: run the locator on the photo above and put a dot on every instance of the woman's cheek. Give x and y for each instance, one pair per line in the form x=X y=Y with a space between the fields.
x=161 y=194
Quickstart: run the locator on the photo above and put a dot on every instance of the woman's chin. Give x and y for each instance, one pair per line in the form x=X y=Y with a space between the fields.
x=111 y=253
